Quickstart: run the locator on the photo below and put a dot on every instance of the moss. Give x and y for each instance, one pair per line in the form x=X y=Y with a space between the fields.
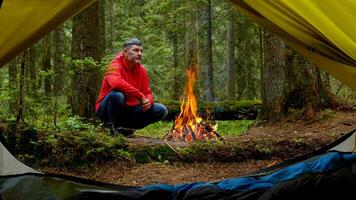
x=163 y=154
x=326 y=114
x=263 y=151
x=142 y=155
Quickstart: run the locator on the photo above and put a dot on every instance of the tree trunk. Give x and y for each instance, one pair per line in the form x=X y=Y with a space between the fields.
x=21 y=97
x=250 y=92
x=326 y=80
x=87 y=42
x=59 y=68
x=191 y=34
x=13 y=85
x=111 y=27
x=260 y=37
x=176 y=88
x=261 y=60
x=101 y=43
x=32 y=71
x=46 y=66
x=209 y=56
x=305 y=88
x=273 y=78
x=230 y=59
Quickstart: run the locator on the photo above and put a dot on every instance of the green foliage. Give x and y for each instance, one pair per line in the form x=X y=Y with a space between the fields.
x=163 y=154
x=295 y=114
x=75 y=123
x=83 y=64
x=142 y=155
x=326 y=114
x=263 y=150
x=234 y=127
x=299 y=141
x=46 y=74
x=5 y=113
x=145 y=154
x=81 y=147
x=157 y=130
x=206 y=149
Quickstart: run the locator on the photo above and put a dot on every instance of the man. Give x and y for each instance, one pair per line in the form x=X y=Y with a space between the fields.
x=125 y=101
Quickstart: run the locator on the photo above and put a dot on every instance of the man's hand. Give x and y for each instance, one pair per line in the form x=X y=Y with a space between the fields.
x=146 y=104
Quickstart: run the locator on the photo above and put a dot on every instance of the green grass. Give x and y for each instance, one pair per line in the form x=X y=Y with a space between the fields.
x=233 y=127
x=158 y=129
x=225 y=128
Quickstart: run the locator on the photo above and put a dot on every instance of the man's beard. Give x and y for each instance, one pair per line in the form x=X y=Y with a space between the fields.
x=138 y=61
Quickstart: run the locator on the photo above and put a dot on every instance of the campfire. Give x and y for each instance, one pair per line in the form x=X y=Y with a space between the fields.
x=189 y=126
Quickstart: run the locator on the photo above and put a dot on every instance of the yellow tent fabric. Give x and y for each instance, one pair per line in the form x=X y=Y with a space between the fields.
x=324 y=31
x=22 y=22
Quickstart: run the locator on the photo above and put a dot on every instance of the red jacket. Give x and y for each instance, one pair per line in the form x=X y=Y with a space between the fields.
x=134 y=83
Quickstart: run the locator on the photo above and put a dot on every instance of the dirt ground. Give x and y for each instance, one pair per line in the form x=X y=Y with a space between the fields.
x=167 y=173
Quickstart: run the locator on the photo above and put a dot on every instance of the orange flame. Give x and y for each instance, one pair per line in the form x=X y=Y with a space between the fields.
x=188 y=108
x=188 y=125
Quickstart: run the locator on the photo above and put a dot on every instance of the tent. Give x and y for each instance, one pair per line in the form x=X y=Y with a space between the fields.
x=24 y=22
x=323 y=31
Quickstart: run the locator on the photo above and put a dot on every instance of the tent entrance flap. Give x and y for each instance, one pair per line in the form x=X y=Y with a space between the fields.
x=9 y=165
x=28 y=22
x=325 y=38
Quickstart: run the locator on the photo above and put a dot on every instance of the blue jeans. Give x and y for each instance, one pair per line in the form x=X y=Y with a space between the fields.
x=113 y=110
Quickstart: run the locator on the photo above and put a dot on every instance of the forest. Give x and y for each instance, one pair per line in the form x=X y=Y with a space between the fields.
x=247 y=78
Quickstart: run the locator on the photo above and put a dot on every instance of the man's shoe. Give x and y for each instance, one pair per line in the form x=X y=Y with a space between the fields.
x=112 y=127
x=115 y=130
x=127 y=132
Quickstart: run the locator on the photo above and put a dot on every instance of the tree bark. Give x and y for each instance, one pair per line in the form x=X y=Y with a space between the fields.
x=250 y=92
x=176 y=87
x=273 y=78
x=326 y=80
x=32 y=71
x=230 y=59
x=46 y=66
x=209 y=79
x=305 y=88
x=87 y=42
x=13 y=85
x=59 y=68
x=21 y=97
x=111 y=27
x=191 y=34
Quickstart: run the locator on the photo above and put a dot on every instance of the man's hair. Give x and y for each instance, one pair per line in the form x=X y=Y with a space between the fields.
x=133 y=41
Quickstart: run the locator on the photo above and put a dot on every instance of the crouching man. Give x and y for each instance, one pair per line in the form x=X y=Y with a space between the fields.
x=125 y=101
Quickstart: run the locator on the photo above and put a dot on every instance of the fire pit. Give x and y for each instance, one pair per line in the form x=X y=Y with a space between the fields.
x=189 y=126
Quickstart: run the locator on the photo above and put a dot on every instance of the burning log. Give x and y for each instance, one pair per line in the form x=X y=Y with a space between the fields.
x=202 y=131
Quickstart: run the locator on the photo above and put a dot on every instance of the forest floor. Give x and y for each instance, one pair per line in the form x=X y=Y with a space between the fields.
x=321 y=131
